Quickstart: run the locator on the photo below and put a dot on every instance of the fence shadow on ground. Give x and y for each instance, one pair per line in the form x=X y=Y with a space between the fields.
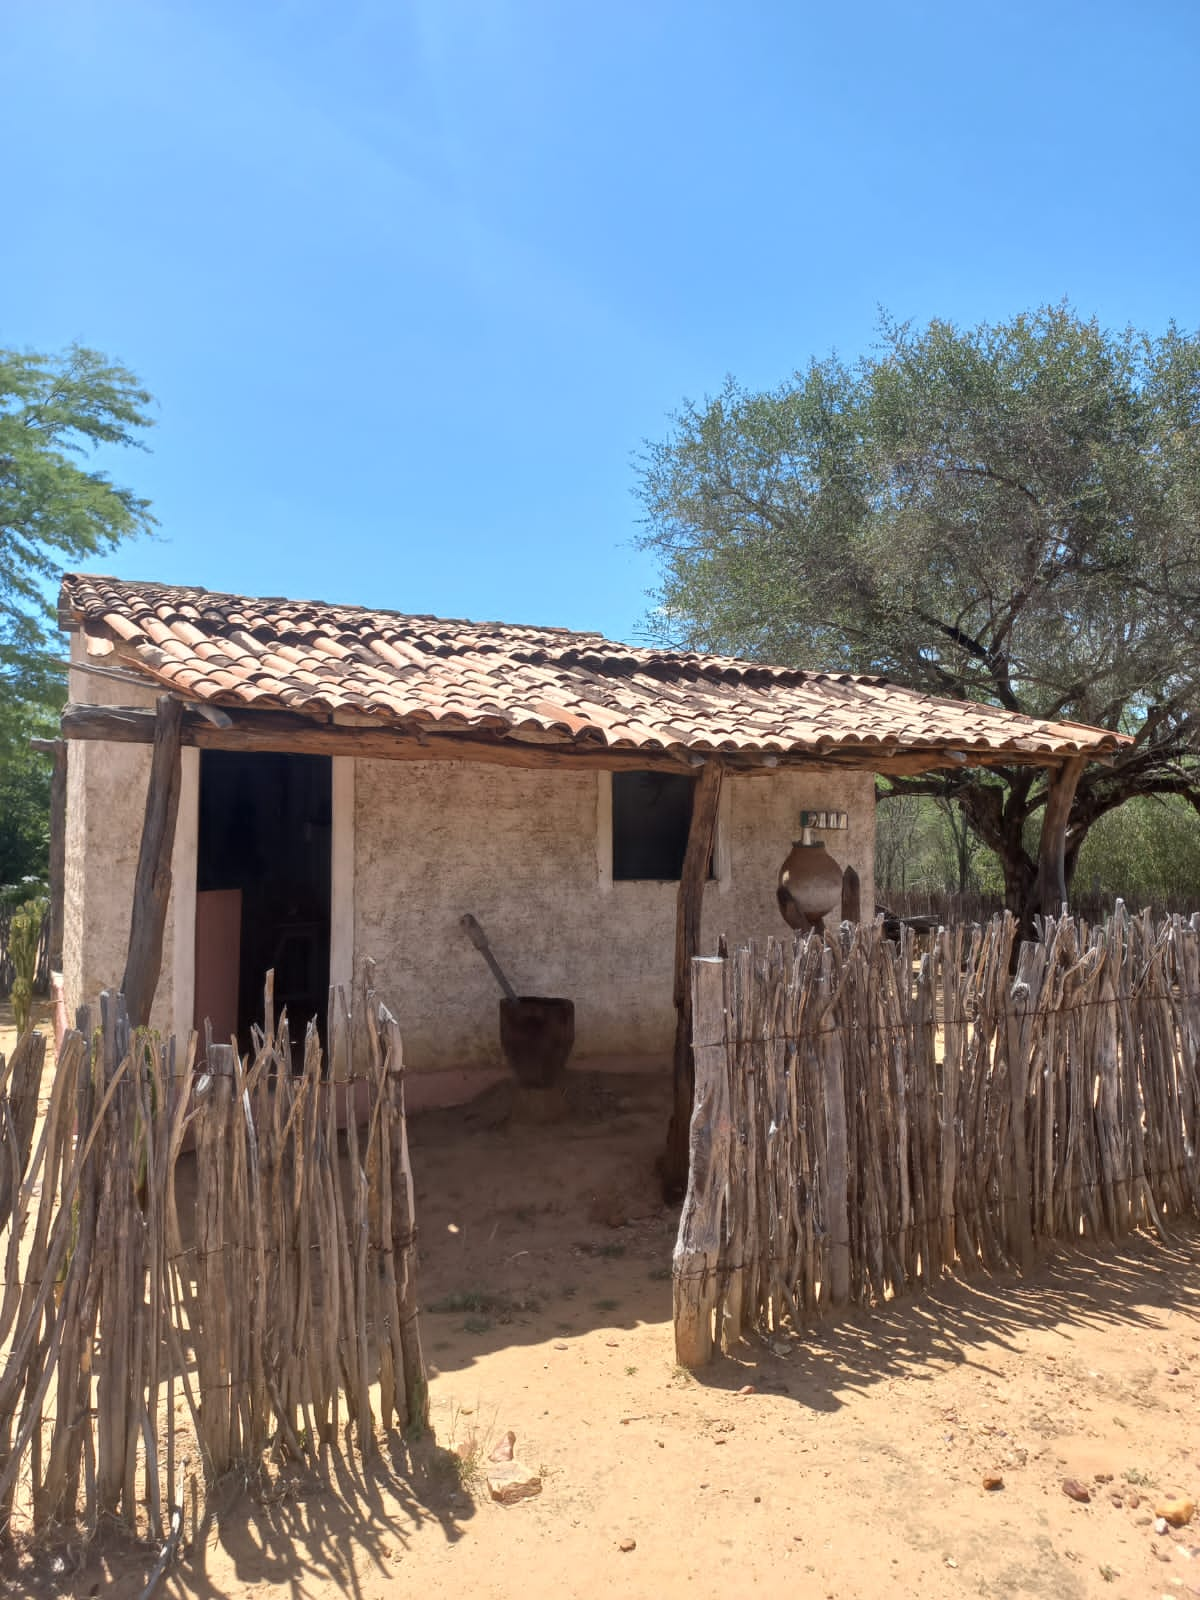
x=349 y=1526
x=1135 y=1285
x=346 y=1526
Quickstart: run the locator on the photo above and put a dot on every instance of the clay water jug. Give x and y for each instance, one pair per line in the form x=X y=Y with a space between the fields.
x=810 y=884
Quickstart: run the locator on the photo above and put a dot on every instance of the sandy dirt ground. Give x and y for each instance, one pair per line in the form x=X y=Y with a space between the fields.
x=849 y=1462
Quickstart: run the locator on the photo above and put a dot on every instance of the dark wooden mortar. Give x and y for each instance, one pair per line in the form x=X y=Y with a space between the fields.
x=536 y=1036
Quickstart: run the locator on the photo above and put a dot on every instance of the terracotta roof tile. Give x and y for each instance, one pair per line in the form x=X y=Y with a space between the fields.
x=461 y=676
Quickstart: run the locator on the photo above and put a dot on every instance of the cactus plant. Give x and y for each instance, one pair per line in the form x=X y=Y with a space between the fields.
x=23 y=936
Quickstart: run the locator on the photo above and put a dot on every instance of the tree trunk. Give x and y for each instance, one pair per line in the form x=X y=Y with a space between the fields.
x=1020 y=887
x=998 y=818
x=1071 y=857
x=1077 y=796
x=1034 y=887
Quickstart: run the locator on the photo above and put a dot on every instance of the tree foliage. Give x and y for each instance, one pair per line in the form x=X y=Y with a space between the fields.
x=924 y=844
x=24 y=814
x=1007 y=514
x=57 y=508
x=1146 y=851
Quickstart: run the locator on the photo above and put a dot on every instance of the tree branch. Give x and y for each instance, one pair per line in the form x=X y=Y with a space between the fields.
x=995 y=664
x=998 y=477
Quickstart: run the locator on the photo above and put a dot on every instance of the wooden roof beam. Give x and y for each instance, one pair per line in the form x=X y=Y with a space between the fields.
x=227 y=728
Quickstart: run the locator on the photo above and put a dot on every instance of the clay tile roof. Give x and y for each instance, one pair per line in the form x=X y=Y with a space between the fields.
x=309 y=657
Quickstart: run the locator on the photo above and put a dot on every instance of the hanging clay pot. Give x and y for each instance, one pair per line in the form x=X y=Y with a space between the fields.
x=810 y=885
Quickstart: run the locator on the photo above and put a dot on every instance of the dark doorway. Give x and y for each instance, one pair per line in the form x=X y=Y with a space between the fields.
x=262 y=881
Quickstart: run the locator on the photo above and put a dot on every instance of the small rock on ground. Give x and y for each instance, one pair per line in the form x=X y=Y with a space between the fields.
x=1178 y=1512
x=503 y=1450
x=510 y=1481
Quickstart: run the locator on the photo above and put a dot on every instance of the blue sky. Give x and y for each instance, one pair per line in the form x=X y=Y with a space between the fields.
x=411 y=281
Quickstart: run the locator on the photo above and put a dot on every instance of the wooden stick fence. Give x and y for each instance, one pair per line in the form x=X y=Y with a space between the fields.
x=866 y=1121
x=193 y=1274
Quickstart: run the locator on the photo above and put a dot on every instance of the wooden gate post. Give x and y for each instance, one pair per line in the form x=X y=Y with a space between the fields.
x=152 y=883
x=410 y=1372
x=697 y=1260
x=1019 y=1016
x=688 y=907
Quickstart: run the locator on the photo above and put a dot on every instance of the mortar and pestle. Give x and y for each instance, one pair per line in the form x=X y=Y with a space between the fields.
x=537 y=1034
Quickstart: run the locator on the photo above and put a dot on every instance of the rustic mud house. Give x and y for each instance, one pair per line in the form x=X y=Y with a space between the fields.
x=351 y=781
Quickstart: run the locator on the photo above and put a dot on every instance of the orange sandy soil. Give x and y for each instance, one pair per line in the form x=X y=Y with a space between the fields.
x=854 y=1467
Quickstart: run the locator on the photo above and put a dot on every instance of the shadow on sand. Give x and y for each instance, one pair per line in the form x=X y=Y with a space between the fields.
x=1135 y=1285
x=345 y=1527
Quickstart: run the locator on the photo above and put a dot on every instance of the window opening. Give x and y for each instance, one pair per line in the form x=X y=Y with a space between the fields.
x=651 y=816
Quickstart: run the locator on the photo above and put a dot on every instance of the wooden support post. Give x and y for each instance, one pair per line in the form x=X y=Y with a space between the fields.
x=688 y=907
x=1052 y=879
x=152 y=883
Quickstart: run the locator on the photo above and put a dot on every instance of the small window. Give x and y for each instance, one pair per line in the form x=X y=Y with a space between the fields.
x=651 y=815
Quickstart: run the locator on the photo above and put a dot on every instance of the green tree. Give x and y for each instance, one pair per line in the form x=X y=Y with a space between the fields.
x=1148 y=852
x=24 y=815
x=1008 y=514
x=57 y=508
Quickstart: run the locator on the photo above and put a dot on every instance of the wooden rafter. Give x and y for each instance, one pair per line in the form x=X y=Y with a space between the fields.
x=227 y=728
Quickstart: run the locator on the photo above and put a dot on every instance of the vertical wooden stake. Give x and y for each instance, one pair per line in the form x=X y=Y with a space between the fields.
x=832 y=1068
x=698 y=1247
x=152 y=884
x=1021 y=1005
x=688 y=907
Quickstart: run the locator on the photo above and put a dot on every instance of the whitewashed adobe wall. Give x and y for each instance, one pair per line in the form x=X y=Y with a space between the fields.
x=528 y=853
